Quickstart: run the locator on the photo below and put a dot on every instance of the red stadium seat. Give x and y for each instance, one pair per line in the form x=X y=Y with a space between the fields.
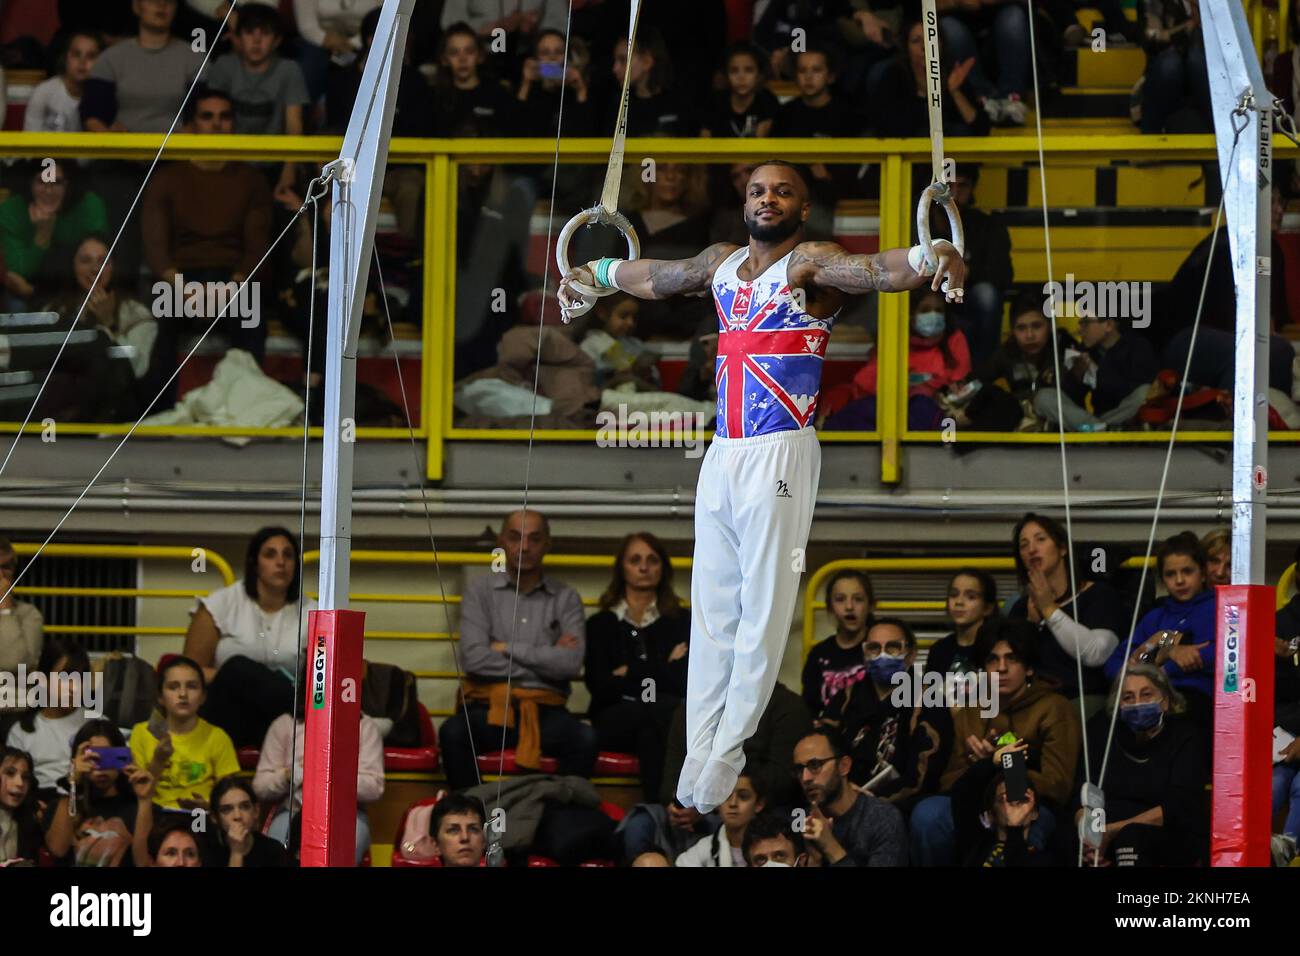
x=608 y=764
x=421 y=758
x=248 y=757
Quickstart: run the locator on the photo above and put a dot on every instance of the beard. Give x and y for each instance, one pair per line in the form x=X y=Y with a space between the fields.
x=777 y=231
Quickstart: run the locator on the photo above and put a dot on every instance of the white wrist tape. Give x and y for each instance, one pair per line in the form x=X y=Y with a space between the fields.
x=916 y=259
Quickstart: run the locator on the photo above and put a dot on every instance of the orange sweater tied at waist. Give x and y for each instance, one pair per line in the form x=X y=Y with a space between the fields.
x=501 y=713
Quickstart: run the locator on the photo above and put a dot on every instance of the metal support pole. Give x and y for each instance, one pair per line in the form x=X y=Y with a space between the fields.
x=1243 y=114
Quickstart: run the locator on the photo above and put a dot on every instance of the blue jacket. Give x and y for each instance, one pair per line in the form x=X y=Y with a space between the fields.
x=1195 y=618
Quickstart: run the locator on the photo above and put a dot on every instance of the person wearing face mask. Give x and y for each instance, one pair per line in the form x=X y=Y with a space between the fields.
x=938 y=358
x=1157 y=808
x=848 y=827
x=770 y=840
x=1178 y=635
x=899 y=748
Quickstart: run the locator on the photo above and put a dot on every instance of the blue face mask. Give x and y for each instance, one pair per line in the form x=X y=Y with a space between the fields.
x=929 y=323
x=1141 y=717
x=884 y=667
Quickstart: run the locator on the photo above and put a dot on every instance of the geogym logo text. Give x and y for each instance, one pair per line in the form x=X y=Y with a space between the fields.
x=1231 y=649
x=318 y=676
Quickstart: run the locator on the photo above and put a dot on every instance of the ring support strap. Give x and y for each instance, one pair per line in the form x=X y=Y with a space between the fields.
x=614 y=172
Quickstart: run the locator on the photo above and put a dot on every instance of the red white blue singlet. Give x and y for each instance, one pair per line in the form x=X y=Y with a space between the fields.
x=770 y=352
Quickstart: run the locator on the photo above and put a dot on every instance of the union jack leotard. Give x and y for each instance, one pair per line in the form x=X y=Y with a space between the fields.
x=770 y=352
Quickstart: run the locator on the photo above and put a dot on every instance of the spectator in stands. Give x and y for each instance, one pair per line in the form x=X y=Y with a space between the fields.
x=726 y=226
x=989 y=271
x=972 y=600
x=413 y=113
x=268 y=92
x=543 y=77
x=183 y=753
x=1078 y=620
x=1115 y=369
x=991 y=831
x=41 y=226
x=774 y=26
x=817 y=113
x=1286 y=714
x=529 y=628
x=1024 y=363
x=329 y=34
x=838 y=661
x=456 y=825
x=669 y=828
x=938 y=358
x=235 y=840
x=849 y=827
x=699 y=379
x=486 y=16
x=1178 y=634
x=46 y=733
x=207 y=221
x=725 y=848
x=1157 y=810
x=1031 y=709
x=896 y=90
x=280 y=771
x=138 y=86
x=20 y=827
x=770 y=840
x=1176 y=85
x=464 y=94
x=1217 y=546
x=94 y=827
x=655 y=108
x=55 y=104
x=171 y=843
x=21 y=624
x=127 y=322
x=621 y=358
x=636 y=657
x=247 y=636
x=962 y=31
x=898 y=748
x=1214 y=357
x=747 y=107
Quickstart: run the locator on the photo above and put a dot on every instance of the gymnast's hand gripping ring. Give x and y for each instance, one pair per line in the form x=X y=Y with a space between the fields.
x=595 y=215
x=939 y=193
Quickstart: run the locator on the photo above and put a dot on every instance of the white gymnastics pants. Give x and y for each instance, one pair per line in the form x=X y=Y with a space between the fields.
x=753 y=511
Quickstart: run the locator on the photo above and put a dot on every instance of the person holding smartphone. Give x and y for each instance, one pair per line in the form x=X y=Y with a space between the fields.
x=543 y=77
x=94 y=823
x=995 y=808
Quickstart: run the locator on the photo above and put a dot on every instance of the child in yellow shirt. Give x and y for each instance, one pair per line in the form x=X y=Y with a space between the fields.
x=185 y=754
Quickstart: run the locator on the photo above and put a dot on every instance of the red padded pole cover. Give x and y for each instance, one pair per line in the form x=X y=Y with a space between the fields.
x=333 y=738
x=1243 y=726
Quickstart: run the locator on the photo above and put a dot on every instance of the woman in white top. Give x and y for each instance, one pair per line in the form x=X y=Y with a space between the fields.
x=54 y=106
x=247 y=636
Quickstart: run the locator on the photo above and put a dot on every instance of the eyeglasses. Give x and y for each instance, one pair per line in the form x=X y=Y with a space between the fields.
x=894 y=648
x=813 y=766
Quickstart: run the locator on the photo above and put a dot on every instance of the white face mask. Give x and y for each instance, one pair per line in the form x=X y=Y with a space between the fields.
x=777 y=863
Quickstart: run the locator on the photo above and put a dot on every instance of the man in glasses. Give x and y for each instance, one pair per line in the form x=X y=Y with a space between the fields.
x=897 y=739
x=1116 y=368
x=848 y=827
x=21 y=636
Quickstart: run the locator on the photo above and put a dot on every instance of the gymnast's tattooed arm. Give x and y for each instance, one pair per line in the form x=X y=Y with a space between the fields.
x=658 y=278
x=828 y=266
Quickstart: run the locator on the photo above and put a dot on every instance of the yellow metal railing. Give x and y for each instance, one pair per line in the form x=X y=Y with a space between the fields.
x=441 y=159
x=208 y=557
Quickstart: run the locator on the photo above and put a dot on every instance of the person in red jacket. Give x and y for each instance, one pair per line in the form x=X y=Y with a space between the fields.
x=938 y=358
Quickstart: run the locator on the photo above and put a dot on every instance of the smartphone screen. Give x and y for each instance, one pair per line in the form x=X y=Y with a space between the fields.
x=550 y=71
x=112 y=758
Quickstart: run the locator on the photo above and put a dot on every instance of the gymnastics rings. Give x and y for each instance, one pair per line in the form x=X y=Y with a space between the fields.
x=596 y=215
x=939 y=194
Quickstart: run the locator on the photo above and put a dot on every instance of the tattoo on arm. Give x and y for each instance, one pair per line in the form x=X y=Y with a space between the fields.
x=835 y=268
x=676 y=276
